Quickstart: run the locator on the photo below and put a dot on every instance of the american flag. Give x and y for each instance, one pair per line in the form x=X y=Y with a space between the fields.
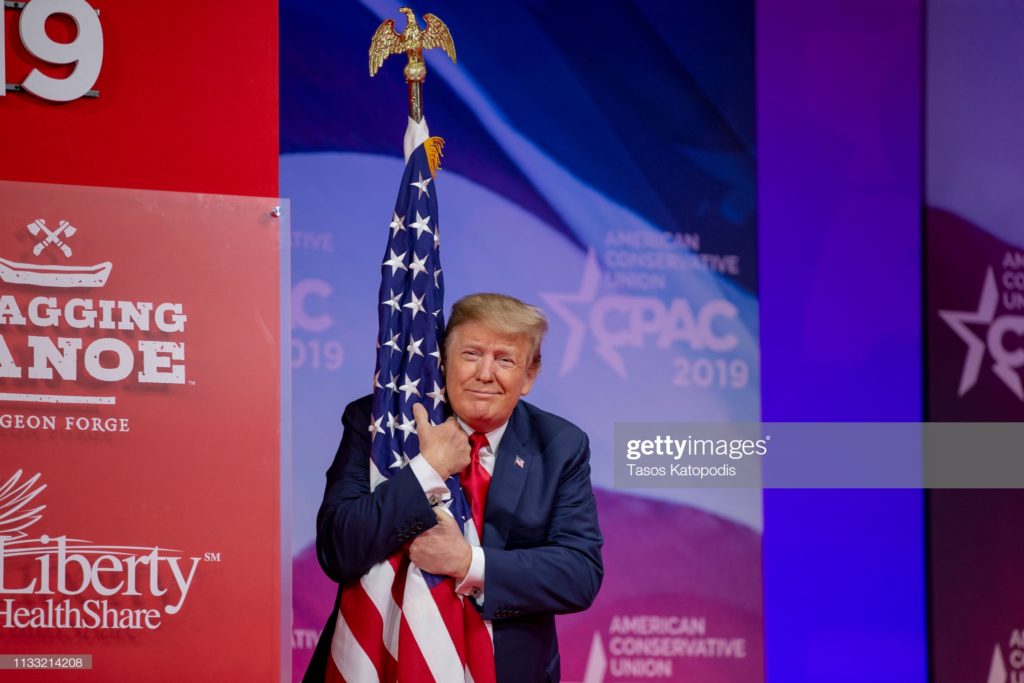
x=399 y=623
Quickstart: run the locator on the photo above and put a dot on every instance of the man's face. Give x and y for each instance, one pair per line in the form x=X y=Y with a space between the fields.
x=486 y=371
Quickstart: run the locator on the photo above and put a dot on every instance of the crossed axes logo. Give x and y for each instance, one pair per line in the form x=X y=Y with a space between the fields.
x=55 y=275
x=38 y=229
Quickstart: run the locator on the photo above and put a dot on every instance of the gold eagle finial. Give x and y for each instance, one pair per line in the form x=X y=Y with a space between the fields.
x=412 y=41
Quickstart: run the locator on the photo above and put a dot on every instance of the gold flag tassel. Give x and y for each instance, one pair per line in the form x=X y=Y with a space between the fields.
x=434 y=147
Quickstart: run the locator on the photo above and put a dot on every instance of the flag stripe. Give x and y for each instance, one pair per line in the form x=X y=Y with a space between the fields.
x=352 y=662
x=450 y=608
x=366 y=624
x=431 y=633
x=480 y=645
x=412 y=667
x=377 y=584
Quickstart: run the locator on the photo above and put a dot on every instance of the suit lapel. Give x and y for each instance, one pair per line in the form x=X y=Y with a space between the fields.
x=511 y=467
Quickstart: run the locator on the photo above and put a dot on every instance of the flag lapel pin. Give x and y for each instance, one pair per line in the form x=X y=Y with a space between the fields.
x=519 y=462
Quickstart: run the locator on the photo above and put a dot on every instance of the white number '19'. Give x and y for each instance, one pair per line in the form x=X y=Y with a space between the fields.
x=85 y=51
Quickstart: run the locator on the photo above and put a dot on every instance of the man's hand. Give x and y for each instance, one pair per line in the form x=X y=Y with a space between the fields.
x=445 y=446
x=442 y=549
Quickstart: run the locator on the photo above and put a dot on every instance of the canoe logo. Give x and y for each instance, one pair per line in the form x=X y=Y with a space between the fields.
x=50 y=330
x=58 y=239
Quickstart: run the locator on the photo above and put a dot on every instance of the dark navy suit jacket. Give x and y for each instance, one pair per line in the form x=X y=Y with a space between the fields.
x=542 y=544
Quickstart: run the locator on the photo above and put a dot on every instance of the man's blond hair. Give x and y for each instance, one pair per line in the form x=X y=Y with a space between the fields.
x=503 y=313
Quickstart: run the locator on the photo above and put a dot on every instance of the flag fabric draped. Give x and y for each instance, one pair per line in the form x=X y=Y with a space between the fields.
x=398 y=623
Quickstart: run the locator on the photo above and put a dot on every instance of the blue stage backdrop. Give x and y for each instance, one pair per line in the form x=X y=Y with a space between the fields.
x=600 y=164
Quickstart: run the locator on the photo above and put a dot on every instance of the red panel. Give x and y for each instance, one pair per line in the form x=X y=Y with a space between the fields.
x=188 y=101
x=188 y=467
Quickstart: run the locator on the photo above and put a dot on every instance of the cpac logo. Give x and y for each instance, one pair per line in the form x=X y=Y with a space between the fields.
x=311 y=316
x=597 y=662
x=998 y=672
x=69 y=567
x=1007 y=361
x=619 y=321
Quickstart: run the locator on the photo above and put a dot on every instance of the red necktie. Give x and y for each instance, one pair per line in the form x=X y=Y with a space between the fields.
x=475 y=481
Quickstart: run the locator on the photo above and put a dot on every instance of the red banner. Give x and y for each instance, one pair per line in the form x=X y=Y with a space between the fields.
x=140 y=418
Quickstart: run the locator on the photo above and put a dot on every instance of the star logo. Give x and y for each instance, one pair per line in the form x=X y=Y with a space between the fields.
x=997 y=671
x=587 y=293
x=559 y=303
x=597 y=661
x=959 y=322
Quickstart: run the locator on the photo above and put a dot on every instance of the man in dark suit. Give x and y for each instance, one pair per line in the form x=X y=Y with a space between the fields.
x=540 y=553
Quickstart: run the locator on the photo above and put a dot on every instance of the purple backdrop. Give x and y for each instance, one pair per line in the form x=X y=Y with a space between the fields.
x=839 y=237
x=975 y=325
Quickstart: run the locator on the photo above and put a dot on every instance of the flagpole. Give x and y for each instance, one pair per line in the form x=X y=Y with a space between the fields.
x=440 y=633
